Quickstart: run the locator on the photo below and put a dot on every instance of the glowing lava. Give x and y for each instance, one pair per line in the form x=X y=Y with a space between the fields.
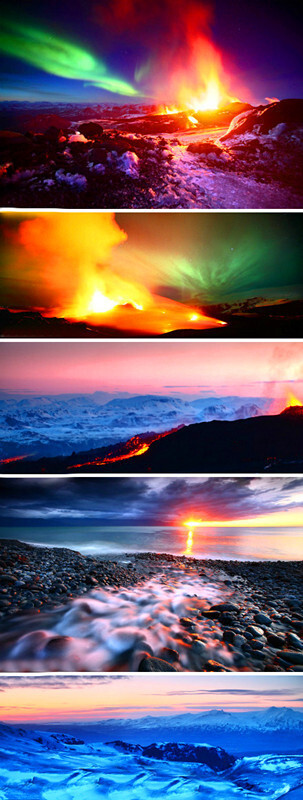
x=135 y=446
x=100 y=304
x=13 y=458
x=292 y=400
x=137 y=311
x=203 y=85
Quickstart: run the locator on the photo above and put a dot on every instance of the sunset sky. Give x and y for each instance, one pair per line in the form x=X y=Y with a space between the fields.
x=163 y=367
x=55 y=698
x=247 y=502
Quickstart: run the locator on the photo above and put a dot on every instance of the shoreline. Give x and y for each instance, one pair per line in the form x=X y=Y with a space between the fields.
x=148 y=612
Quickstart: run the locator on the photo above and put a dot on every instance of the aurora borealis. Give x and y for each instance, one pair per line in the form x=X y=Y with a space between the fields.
x=98 y=50
x=60 y=57
x=190 y=258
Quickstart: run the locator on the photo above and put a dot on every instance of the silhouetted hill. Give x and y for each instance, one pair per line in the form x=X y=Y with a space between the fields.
x=272 y=442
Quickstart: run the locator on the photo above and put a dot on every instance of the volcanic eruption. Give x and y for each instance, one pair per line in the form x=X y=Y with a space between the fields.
x=73 y=276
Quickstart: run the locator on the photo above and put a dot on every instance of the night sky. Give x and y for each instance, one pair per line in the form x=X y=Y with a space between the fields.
x=46 y=257
x=150 y=501
x=79 y=50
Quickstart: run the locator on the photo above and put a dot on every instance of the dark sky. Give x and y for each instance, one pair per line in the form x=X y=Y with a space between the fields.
x=213 y=257
x=260 y=44
x=146 y=501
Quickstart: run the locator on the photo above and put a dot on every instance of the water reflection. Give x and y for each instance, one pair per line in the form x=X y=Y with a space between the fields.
x=249 y=543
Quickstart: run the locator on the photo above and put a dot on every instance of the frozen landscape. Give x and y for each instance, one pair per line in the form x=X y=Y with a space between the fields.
x=80 y=761
x=34 y=427
x=134 y=156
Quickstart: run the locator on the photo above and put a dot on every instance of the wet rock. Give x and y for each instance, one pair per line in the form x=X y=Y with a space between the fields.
x=294 y=641
x=263 y=619
x=222 y=607
x=254 y=630
x=215 y=666
x=167 y=654
x=187 y=623
x=275 y=640
x=152 y=664
x=291 y=656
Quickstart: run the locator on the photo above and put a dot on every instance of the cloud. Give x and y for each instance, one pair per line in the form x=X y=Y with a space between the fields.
x=64 y=681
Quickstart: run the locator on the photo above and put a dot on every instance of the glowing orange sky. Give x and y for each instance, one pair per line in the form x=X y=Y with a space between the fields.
x=90 y=697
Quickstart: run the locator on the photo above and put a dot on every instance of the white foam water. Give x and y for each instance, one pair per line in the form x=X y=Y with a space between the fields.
x=107 y=629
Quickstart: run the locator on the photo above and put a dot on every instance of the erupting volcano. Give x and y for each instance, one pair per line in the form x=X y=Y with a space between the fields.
x=79 y=277
x=167 y=105
x=293 y=401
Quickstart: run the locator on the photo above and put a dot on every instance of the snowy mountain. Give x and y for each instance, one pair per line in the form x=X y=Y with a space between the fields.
x=60 y=424
x=44 y=765
x=265 y=720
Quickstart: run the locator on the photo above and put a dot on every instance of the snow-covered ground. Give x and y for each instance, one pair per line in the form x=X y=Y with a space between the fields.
x=142 y=160
x=52 y=766
x=58 y=425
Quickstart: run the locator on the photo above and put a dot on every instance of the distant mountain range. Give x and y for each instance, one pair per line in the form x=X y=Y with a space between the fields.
x=57 y=425
x=269 y=720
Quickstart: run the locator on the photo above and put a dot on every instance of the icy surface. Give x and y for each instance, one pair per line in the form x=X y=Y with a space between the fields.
x=57 y=425
x=53 y=766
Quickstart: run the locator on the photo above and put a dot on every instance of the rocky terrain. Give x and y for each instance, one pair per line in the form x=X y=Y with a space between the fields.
x=239 y=157
x=61 y=610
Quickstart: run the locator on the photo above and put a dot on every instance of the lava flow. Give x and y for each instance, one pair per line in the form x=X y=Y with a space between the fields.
x=13 y=458
x=152 y=315
x=81 y=279
x=135 y=446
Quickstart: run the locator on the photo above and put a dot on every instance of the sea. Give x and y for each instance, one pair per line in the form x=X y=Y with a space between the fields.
x=242 y=544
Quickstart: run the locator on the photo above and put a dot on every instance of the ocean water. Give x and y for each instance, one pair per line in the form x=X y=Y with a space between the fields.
x=225 y=543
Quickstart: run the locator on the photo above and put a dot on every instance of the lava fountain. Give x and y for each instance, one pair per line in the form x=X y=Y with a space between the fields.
x=292 y=400
x=77 y=276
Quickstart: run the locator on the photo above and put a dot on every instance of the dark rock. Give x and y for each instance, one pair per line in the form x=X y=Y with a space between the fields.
x=263 y=619
x=226 y=607
x=152 y=664
x=292 y=656
x=90 y=129
x=254 y=630
x=204 y=148
x=274 y=640
x=215 y=666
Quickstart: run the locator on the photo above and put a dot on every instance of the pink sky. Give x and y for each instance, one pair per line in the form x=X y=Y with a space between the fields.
x=93 y=697
x=165 y=367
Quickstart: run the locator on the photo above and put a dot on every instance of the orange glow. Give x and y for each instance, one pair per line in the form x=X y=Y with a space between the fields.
x=13 y=458
x=74 y=699
x=138 y=310
x=133 y=447
x=190 y=536
x=292 y=400
x=80 y=278
x=201 y=84
x=289 y=518
x=189 y=543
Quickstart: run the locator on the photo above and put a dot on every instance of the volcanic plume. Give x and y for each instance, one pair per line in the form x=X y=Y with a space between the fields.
x=180 y=63
x=70 y=271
